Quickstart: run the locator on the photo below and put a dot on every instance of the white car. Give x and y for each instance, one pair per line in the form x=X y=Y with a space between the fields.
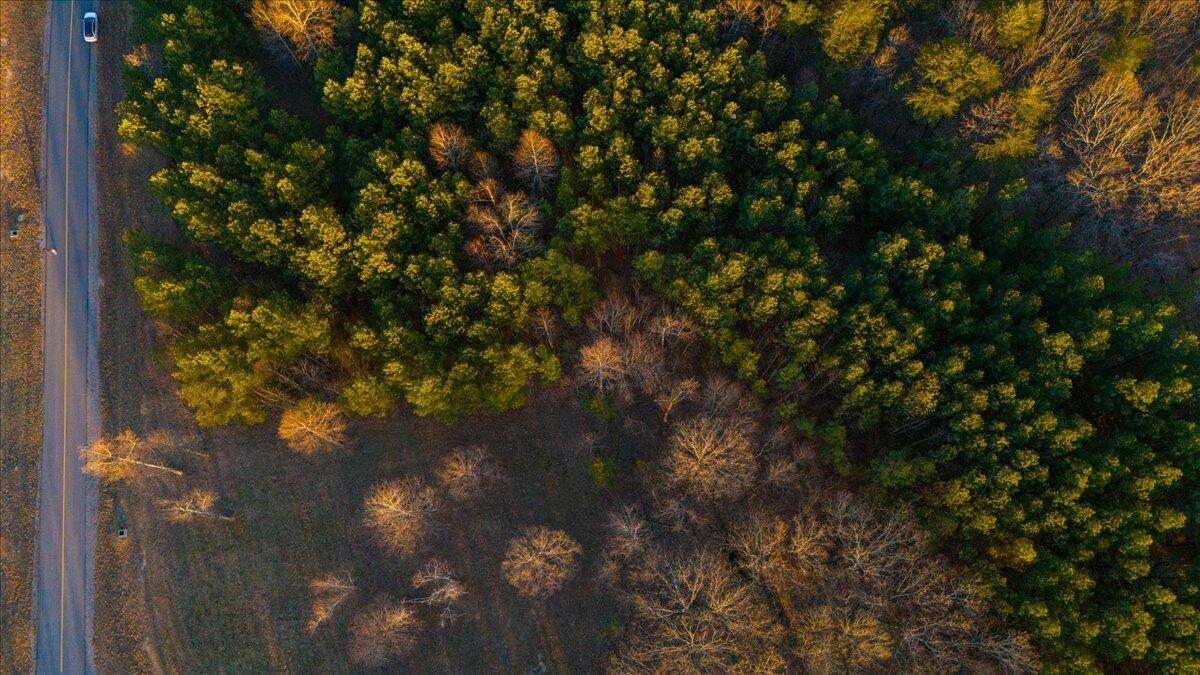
x=89 y=27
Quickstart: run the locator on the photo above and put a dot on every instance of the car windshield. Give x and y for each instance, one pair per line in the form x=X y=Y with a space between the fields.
x=89 y=26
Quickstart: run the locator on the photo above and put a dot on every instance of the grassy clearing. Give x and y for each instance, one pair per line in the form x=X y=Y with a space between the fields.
x=21 y=31
x=123 y=637
x=235 y=595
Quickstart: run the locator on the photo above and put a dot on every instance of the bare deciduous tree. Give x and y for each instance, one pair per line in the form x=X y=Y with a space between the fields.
x=545 y=325
x=462 y=473
x=762 y=544
x=449 y=145
x=328 y=592
x=1010 y=652
x=442 y=587
x=693 y=614
x=300 y=28
x=628 y=542
x=1169 y=175
x=397 y=513
x=1137 y=163
x=482 y=166
x=678 y=392
x=539 y=561
x=646 y=363
x=614 y=314
x=381 y=633
x=726 y=398
x=311 y=426
x=748 y=17
x=1071 y=32
x=673 y=329
x=506 y=231
x=197 y=504
x=602 y=365
x=710 y=460
x=535 y=161
x=988 y=120
x=140 y=56
x=810 y=541
x=782 y=472
x=841 y=638
x=1109 y=122
x=126 y=455
x=964 y=19
x=1170 y=25
x=866 y=592
x=739 y=16
x=896 y=48
x=488 y=191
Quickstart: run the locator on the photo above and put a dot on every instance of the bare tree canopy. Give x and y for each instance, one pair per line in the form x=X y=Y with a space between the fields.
x=299 y=27
x=506 y=229
x=535 y=161
x=602 y=365
x=842 y=638
x=672 y=329
x=199 y=504
x=482 y=166
x=449 y=145
x=545 y=325
x=1132 y=146
x=311 y=426
x=615 y=314
x=462 y=473
x=865 y=591
x=328 y=592
x=540 y=561
x=125 y=456
x=397 y=513
x=381 y=633
x=636 y=346
x=442 y=588
x=678 y=392
x=693 y=614
x=710 y=460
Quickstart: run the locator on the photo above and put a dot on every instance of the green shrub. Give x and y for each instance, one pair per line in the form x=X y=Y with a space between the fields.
x=602 y=470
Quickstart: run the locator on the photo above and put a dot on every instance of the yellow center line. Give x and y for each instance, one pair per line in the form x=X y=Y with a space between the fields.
x=66 y=258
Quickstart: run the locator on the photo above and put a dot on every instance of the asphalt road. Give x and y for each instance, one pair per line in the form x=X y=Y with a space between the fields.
x=66 y=496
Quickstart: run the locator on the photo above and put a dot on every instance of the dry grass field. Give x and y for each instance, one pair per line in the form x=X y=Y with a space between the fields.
x=21 y=31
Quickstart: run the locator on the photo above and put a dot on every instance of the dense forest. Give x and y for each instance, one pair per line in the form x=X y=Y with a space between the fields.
x=954 y=283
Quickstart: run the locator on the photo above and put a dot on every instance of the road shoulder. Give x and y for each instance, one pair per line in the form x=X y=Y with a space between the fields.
x=126 y=639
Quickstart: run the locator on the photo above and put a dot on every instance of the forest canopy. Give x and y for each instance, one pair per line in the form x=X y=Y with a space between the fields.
x=480 y=168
